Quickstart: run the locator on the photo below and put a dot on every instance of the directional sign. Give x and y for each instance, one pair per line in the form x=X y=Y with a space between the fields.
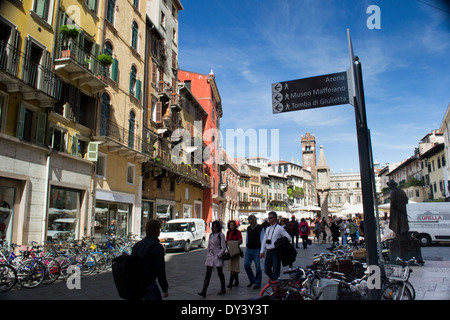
x=307 y=93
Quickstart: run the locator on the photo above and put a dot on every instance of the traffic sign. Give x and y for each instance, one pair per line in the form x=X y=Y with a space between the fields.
x=307 y=93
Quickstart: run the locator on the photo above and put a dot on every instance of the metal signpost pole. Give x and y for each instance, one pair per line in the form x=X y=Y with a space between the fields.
x=365 y=162
x=362 y=131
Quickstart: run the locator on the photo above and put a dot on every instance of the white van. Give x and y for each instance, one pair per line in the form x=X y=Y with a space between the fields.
x=183 y=234
x=431 y=220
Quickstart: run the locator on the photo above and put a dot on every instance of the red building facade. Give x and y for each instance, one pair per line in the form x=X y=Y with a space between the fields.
x=204 y=89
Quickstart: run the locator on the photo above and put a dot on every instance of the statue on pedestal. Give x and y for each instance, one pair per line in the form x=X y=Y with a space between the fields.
x=398 y=215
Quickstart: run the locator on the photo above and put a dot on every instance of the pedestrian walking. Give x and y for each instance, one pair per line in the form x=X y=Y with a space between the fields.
x=293 y=230
x=152 y=252
x=304 y=232
x=234 y=240
x=344 y=229
x=323 y=228
x=334 y=233
x=353 y=227
x=255 y=236
x=284 y=222
x=215 y=251
x=272 y=263
x=316 y=229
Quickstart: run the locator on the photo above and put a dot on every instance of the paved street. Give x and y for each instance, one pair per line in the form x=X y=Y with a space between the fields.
x=185 y=273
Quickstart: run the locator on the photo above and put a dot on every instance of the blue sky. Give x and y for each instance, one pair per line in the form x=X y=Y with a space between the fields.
x=251 y=44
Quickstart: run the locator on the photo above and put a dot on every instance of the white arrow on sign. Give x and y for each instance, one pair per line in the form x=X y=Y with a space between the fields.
x=278 y=97
x=278 y=108
x=277 y=87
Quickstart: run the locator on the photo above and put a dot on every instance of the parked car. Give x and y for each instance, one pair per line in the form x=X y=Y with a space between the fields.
x=182 y=234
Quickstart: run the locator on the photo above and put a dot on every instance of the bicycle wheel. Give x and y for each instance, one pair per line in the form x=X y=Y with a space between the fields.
x=88 y=264
x=8 y=277
x=64 y=264
x=299 y=295
x=31 y=273
x=52 y=270
x=394 y=292
x=100 y=261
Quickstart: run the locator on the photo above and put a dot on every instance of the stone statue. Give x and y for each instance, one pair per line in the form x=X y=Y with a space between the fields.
x=398 y=216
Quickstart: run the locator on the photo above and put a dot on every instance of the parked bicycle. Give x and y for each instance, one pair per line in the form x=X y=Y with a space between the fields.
x=398 y=286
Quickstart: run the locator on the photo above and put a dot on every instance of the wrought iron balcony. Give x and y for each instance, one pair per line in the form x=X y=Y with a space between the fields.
x=125 y=142
x=34 y=80
x=73 y=63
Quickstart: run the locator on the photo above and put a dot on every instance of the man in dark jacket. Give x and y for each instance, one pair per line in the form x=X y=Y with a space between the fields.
x=254 y=238
x=152 y=252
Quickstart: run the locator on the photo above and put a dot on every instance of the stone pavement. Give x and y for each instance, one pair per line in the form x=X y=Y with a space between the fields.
x=185 y=273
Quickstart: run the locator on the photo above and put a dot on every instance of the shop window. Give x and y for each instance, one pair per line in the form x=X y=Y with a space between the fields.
x=6 y=212
x=63 y=214
x=105 y=212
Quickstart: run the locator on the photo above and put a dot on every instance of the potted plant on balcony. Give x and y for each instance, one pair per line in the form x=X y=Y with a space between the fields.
x=69 y=33
x=106 y=60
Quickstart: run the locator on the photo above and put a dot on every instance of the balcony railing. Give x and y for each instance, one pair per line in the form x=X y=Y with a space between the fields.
x=120 y=135
x=70 y=48
x=33 y=74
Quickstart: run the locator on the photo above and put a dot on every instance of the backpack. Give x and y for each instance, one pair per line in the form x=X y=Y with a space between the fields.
x=304 y=229
x=129 y=276
x=291 y=227
x=128 y=271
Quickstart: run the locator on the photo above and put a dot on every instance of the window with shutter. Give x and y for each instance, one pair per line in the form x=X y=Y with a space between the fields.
x=40 y=128
x=134 y=35
x=74 y=146
x=158 y=118
x=92 y=5
x=138 y=89
x=115 y=70
x=92 y=154
x=154 y=73
x=41 y=8
x=110 y=11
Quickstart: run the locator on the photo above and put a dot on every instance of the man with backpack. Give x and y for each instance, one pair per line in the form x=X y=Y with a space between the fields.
x=293 y=230
x=152 y=252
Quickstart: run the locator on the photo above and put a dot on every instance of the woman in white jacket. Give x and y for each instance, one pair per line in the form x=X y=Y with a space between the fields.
x=216 y=249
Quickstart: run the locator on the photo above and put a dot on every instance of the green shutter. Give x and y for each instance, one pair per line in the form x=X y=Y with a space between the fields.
x=138 y=89
x=131 y=83
x=91 y=4
x=20 y=122
x=74 y=146
x=115 y=70
x=95 y=64
x=41 y=8
x=40 y=128
x=92 y=154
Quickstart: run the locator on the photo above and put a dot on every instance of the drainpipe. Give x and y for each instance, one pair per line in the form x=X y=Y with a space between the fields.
x=45 y=213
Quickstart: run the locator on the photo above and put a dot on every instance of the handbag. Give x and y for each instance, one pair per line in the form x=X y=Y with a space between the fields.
x=226 y=256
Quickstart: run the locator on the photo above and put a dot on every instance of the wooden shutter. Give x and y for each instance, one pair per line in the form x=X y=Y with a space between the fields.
x=138 y=89
x=95 y=64
x=13 y=52
x=115 y=70
x=154 y=73
x=26 y=59
x=92 y=154
x=74 y=146
x=20 y=121
x=91 y=4
x=158 y=112
x=40 y=128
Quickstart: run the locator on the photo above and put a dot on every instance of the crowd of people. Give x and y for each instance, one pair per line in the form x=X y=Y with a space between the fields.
x=262 y=243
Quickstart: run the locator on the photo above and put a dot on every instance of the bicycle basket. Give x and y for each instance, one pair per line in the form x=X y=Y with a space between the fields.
x=396 y=272
x=327 y=289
